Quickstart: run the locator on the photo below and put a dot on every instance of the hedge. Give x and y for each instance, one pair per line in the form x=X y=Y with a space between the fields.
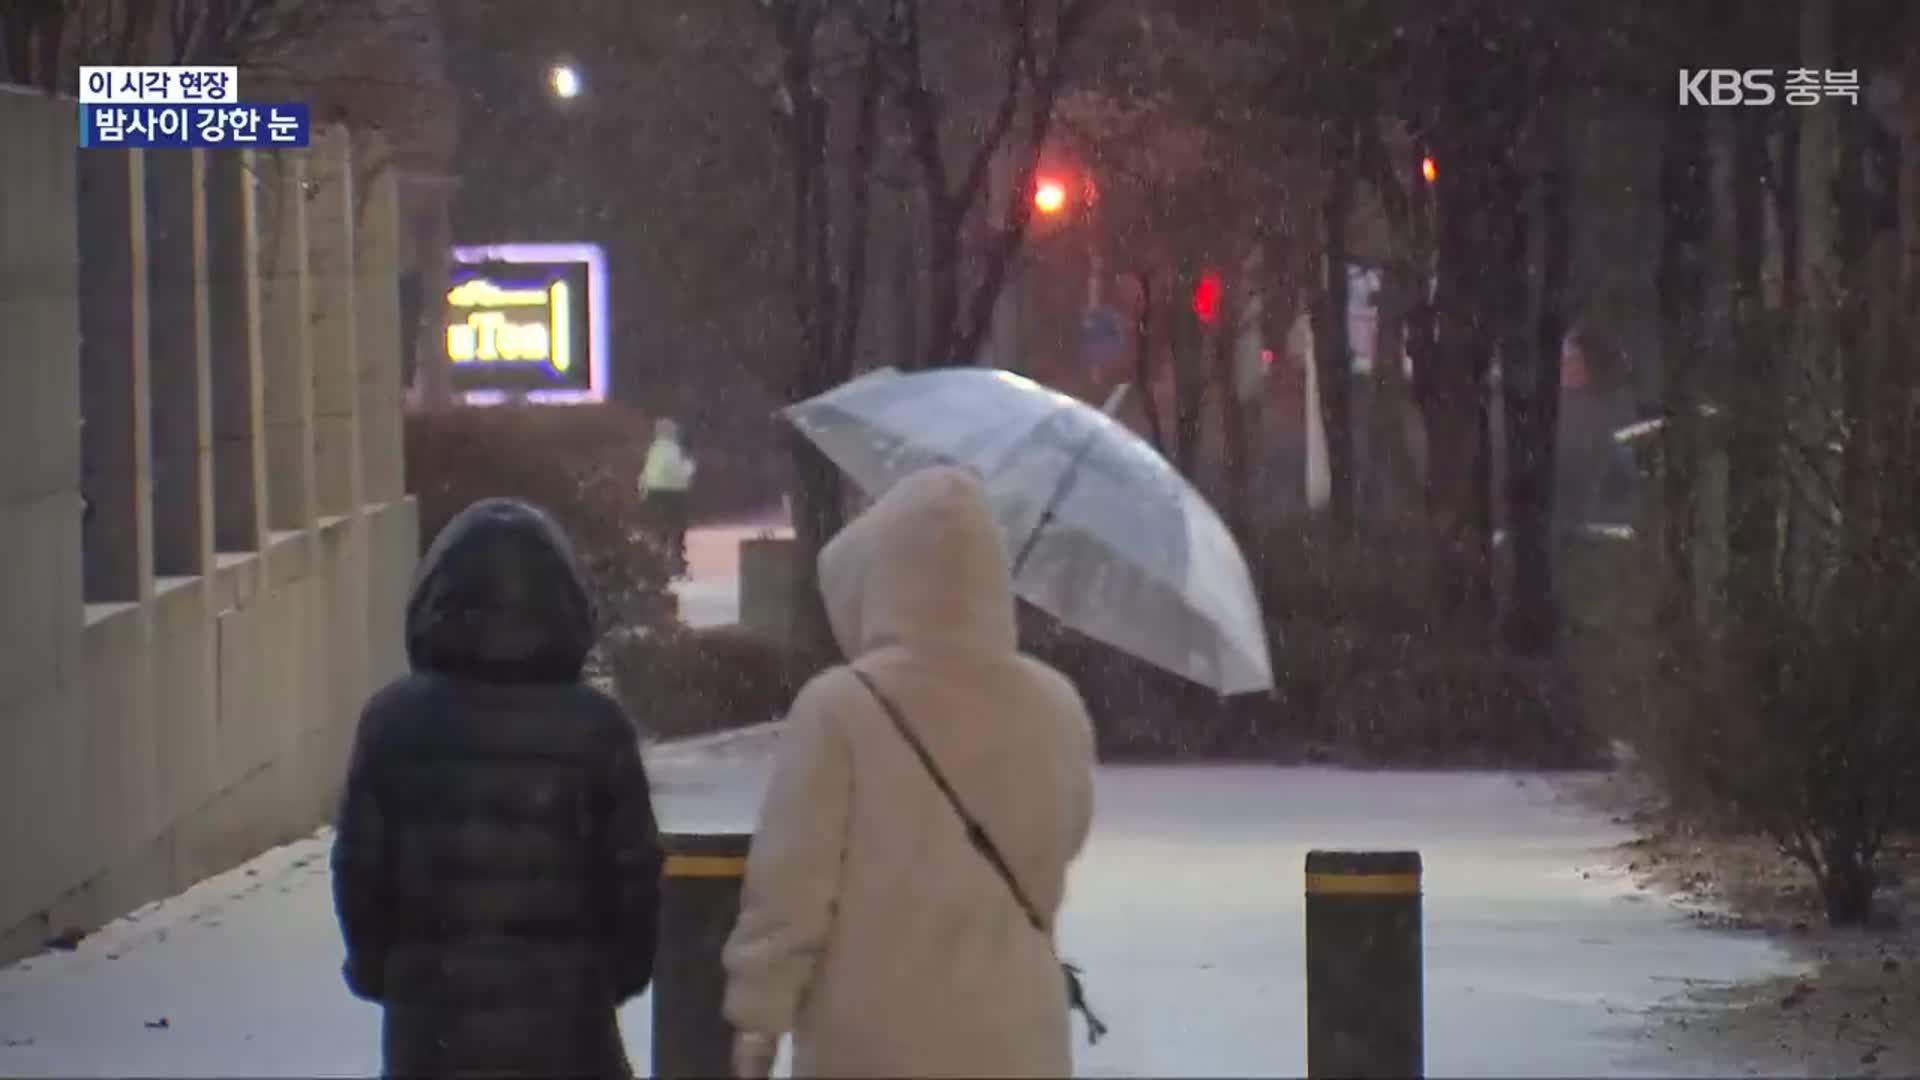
x=1361 y=675
x=678 y=682
x=579 y=463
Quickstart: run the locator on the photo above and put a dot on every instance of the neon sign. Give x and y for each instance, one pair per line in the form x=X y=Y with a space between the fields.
x=528 y=321
x=489 y=335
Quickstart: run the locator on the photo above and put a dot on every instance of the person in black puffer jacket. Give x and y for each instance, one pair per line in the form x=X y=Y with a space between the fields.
x=496 y=863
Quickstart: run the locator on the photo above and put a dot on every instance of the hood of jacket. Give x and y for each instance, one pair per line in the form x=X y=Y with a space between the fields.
x=925 y=566
x=499 y=598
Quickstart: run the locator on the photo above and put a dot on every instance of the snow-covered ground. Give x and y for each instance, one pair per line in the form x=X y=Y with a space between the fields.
x=710 y=594
x=1186 y=912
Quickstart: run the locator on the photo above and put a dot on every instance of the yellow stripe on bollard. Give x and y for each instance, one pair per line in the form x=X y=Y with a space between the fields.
x=1324 y=884
x=706 y=866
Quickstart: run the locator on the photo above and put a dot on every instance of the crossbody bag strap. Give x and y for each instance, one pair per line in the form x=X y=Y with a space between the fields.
x=976 y=833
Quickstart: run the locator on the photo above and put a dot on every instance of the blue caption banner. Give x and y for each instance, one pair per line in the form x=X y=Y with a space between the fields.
x=209 y=127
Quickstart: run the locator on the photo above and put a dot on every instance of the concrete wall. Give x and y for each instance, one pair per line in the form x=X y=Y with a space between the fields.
x=181 y=667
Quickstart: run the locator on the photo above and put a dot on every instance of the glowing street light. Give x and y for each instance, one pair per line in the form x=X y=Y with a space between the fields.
x=1428 y=170
x=1050 y=197
x=565 y=81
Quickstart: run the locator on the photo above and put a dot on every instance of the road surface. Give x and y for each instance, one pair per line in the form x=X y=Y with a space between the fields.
x=1185 y=911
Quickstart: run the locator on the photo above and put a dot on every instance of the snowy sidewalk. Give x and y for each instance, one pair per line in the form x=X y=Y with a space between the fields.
x=710 y=595
x=1186 y=912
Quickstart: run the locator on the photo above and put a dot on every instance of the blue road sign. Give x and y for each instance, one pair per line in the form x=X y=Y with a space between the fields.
x=1103 y=334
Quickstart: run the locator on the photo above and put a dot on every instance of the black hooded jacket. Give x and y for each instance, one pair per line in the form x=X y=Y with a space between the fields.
x=496 y=866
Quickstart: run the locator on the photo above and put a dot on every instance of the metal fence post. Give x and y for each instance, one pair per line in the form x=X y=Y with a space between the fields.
x=1364 y=973
x=700 y=899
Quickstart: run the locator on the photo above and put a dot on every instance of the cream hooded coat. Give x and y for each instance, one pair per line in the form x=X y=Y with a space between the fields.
x=870 y=928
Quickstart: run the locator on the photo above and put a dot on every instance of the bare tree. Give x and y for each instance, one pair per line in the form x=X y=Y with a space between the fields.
x=1387 y=166
x=1032 y=42
x=1189 y=181
x=1795 y=707
x=1333 y=351
x=1531 y=354
x=30 y=35
x=44 y=43
x=829 y=130
x=857 y=84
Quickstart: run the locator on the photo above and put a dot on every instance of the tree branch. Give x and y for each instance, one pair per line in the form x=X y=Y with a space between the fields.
x=32 y=30
x=1375 y=167
x=185 y=18
x=854 y=257
x=1019 y=66
x=1068 y=26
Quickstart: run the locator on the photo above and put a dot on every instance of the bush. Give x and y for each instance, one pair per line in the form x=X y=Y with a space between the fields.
x=579 y=463
x=1788 y=722
x=1464 y=710
x=1385 y=683
x=1800 y=726
x=1361 y=675
x=678 y=682
x=1143 y=713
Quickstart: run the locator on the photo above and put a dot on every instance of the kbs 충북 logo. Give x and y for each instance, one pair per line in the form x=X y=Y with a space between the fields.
x=1765 y=86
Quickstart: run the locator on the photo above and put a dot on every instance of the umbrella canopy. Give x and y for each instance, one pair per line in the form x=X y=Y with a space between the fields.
x=1106 y=535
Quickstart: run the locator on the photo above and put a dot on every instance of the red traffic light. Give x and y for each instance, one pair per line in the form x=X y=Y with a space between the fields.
x=1206 y=297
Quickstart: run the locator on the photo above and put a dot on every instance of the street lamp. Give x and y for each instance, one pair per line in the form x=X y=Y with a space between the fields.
x=565 y=81
x=1050 y=196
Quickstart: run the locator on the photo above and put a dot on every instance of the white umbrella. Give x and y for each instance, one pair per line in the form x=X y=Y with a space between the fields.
x=1106 y=535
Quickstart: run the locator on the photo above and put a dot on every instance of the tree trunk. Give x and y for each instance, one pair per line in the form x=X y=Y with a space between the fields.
x=18 y=26
x=906 y=307
x=1785 y=190
x=1682 y=279
x=1143 y=346
x=1454 y=384
x=943 y=288
x=1817 y=293
x=822 y=358
x=1753 y=436
x=1909 y=181
x=1394 y=476
x=1864 y=267
x=1532 y=398
x=1233 y=417
x=31 y=33
x=1906 y=327
x=1333 y=352
x=1189 y=376
x=1846 y=885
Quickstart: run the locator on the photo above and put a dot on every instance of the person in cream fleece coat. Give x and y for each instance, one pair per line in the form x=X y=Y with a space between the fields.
x=870 y=928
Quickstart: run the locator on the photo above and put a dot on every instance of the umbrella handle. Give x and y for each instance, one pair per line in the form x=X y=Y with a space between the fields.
x=1067 y=478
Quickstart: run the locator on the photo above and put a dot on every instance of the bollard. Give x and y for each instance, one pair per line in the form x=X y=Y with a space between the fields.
x=767 y=567
x=1364 y=1013
x=699 y=900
